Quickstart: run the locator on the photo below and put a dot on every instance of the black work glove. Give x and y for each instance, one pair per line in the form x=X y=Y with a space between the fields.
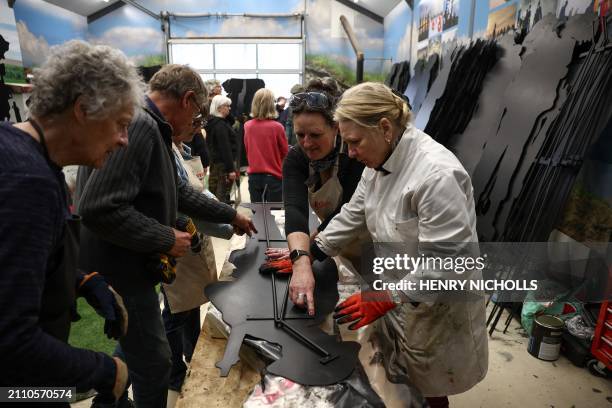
x=106 y=302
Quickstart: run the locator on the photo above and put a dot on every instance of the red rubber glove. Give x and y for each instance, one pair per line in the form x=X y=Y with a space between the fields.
x=277 y=266
x=363 y=308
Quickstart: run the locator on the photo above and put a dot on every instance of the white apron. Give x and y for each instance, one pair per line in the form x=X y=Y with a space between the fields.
x=193 y=271
x=324 y=202
x=428 y=343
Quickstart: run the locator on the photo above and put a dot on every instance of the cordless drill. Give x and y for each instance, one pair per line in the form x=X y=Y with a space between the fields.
x=185 y=224
x=163 y=265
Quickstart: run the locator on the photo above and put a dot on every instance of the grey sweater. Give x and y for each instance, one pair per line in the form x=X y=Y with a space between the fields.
x=130 y=205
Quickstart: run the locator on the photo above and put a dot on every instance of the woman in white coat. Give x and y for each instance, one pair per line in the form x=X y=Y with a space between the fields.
x=413 y=191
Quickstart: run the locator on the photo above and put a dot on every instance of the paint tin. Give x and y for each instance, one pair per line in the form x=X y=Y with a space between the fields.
x=545 y=340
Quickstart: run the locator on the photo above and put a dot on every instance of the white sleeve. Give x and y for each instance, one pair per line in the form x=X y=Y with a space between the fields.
x=446 y=225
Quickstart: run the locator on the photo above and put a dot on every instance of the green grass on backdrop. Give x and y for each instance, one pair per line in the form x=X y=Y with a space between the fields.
x=14 y=74
x=340 y=71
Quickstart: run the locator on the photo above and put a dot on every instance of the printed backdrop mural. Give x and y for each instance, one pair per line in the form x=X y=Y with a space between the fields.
x=10 y=50
x=397 y=33
x=439 y=25
x=41 y=25
x=135 y=33
x=11 y=69
x=328 y=47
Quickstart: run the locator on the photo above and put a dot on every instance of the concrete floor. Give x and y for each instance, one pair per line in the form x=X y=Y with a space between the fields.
x=514 y=379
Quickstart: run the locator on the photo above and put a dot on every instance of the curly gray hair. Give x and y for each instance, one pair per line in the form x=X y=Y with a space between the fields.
x=211 y=84
x=101 y=74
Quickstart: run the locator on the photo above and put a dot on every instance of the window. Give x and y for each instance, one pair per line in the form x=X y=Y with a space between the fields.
x=280 y=84
x=235 y=56
x=278 y=56
x=279 y=63
x=197 y=56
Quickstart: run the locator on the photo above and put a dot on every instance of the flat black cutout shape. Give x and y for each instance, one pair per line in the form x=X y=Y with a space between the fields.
x=258 y=220
x=469 y=145
x=250 y=295
x=425 y=73
x=532 y=92
x=436 y=91
x=580 y=121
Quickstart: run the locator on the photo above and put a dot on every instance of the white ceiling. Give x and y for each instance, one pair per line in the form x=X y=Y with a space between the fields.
x=88 y=7
x=82 y=7
x=380 y=7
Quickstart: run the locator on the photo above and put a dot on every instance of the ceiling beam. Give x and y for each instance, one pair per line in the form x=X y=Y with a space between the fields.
x=101 y=13
x=352 y=5
x=145 y=10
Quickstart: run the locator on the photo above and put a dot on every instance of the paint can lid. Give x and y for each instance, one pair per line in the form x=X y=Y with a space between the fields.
x=550 y=322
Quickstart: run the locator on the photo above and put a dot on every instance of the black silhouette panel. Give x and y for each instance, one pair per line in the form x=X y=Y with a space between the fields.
x=247 y=305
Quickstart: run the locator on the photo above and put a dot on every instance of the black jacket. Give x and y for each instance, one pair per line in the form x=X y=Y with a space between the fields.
x=35 y=298
x=220 y=138
x=130 y=205
x=199 y=148
x=241 y=92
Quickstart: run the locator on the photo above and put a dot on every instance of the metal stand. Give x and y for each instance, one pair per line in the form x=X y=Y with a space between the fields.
x=280 y=318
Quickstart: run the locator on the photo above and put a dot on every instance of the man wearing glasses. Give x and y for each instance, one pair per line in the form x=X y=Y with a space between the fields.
x=129 y=210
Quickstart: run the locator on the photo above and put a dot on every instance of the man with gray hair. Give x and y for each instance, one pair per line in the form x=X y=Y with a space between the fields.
x=129 y=211
x=83 y=99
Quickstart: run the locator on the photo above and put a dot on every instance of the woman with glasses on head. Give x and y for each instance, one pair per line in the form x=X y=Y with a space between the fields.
x=219 y=139
x=316 y=174
x=414 y=192
x=266 y=148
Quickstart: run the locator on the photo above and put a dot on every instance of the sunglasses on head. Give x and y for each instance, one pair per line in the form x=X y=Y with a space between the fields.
x=313 y=100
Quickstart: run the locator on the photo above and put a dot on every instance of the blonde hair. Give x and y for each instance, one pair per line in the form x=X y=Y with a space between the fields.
x=217 y=102
x=367 y=103
x=262 y=106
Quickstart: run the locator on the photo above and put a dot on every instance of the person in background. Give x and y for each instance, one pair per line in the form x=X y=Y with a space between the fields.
x=281 y=110
x=219 y=140
x=199 y=148
x=295 y=89
x=129 y=209
x=266 y=148
x=198 y=143
x=213 y=87
x=195 y=270
x=414 y=191
x=83 y=99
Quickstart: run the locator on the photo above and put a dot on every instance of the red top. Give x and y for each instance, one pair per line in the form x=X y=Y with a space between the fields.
x=266 y=146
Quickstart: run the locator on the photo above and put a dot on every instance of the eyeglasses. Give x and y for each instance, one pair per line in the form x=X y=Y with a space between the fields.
x=313 y=100
x=198 y=119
